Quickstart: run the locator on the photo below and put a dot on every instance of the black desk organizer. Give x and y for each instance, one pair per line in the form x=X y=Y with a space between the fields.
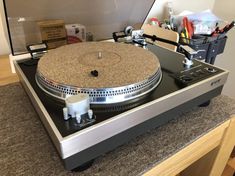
x=208 y=47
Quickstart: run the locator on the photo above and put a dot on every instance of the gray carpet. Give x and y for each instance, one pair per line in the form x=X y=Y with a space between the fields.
x=25 y=148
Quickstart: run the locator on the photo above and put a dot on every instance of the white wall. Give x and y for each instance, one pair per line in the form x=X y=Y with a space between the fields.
x=159 y=11
x=4 y=46
x=227 y=59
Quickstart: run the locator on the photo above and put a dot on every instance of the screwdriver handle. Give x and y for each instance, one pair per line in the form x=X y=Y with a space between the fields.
x=228 y=27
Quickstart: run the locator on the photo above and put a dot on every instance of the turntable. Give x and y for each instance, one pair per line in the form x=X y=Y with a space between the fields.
x=145 y=97
x=93 y=97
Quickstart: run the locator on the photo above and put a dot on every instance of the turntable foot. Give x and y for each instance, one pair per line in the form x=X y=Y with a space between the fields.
x=205 y=104
x=83 y=166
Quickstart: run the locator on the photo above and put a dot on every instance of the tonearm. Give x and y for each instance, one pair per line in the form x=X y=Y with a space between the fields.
x=138 y=37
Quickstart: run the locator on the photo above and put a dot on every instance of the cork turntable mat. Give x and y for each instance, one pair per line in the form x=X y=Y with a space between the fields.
x=117 y=64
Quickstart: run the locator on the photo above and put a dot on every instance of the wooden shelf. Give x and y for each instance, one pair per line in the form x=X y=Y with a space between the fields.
x=207 y=156
x=6 y=76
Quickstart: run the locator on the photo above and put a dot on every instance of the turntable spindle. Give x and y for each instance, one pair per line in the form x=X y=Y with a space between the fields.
x=99 y=55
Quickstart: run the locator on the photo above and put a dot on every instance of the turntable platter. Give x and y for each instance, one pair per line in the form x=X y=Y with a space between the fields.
x=101 y=69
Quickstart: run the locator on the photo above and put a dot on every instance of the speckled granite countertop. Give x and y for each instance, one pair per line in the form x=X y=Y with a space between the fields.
x=25 y=148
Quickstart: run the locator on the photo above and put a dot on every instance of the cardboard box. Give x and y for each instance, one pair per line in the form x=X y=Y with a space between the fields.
x=75 y=33
x=53 y=32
